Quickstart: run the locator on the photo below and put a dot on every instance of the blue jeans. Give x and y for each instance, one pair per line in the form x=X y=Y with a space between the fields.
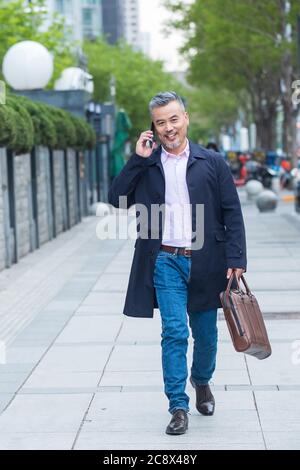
x=171 y=276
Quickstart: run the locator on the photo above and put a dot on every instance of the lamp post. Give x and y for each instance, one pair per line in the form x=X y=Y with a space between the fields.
x=27 y=67
x=99 y=163
x=91 y=154
x=112 y=88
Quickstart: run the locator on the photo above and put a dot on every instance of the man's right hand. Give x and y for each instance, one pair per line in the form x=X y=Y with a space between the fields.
x=142 y=148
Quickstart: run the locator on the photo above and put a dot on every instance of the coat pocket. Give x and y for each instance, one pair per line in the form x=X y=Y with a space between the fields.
x=220 y=236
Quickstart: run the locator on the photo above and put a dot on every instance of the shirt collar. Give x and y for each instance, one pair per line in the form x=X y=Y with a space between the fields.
x=184 y=154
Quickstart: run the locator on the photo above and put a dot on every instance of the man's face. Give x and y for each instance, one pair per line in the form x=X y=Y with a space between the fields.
x=171 y=124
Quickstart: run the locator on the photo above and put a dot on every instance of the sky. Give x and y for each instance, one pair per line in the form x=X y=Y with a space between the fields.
x=152 y=19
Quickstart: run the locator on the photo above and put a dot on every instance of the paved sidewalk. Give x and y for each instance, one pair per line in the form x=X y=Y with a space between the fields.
x=80 y=375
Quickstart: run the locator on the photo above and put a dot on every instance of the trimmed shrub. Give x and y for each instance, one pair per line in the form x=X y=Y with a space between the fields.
x=24 y=127
x=25 y=123
x=8 y=128
x=44 y=128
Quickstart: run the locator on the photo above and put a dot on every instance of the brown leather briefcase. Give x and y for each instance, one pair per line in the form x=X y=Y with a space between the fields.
x=245 y=321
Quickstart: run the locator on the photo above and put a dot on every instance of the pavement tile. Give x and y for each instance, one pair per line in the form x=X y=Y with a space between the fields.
x=24 y=354
x=37 y=441
x=50 y=379
x=79 y=358
x=286 y=440
x=157 y=439
x=91 y=328
x=255 y=400
x=278 y=369
x=5 y=398
x=135 y=358
x=112 y=282
x=44 y=413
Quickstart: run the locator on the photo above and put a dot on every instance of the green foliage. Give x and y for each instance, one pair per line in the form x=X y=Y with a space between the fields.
x=8 y=128
x=24 y=127
x=81 y=132
x=229 y=43
x=210 y=110
x=65 y=130
x=138 y=79
x=25 y=123
x=85 y=135
x=91 y=141
x=240 y=47
x=22 y=21
x=44 y=128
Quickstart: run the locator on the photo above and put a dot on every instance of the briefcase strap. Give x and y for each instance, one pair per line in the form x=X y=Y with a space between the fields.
x=234 y=276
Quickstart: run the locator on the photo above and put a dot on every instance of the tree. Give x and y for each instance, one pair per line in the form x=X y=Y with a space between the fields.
x=138 y=79
x=212 y=110
x=20 y=21
x=243 y=46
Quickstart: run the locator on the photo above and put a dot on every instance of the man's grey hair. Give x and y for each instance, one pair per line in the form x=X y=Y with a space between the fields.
x=164 y=98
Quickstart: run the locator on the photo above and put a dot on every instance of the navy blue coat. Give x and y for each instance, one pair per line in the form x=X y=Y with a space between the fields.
x=209 y=182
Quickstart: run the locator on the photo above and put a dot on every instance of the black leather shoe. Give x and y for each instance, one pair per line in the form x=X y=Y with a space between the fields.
x=205 y=402
x=179 y=423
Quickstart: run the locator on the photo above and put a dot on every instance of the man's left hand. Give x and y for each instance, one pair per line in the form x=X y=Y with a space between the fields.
x=238 y=272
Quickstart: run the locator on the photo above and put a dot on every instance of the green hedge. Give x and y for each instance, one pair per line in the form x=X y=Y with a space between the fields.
x=25 y=124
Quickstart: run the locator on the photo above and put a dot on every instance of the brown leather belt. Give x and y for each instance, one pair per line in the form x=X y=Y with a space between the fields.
x=176 y=251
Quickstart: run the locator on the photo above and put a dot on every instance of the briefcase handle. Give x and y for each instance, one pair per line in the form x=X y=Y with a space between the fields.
x=234 y=276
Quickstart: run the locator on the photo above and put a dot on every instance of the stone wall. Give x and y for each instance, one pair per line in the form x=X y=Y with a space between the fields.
x=3 y=184
x=46 y=203
x=72 y=183
x=59 y=191
x=45 y=217
x=23 y=200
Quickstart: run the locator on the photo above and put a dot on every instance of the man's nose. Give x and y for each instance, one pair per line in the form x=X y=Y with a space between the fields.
x=169 y=127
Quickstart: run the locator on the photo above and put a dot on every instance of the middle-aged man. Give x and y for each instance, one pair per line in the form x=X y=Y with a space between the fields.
x=181 y=264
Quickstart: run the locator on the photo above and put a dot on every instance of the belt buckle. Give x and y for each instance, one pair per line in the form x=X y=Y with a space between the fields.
x=176 y=251
x=185 y=251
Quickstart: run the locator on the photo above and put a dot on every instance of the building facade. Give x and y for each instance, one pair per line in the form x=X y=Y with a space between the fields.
x=113 y=20
x=121 y=22
x=131 y=22
x=83 y=17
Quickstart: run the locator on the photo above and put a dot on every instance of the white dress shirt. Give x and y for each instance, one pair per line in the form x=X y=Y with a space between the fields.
x=178 y=224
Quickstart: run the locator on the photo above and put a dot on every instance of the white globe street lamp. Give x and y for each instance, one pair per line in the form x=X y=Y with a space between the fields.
x=75 y=78
x=27 y=65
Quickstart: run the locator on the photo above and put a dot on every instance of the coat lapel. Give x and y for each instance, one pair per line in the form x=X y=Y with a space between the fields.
x=196 y=152
x=155 y=159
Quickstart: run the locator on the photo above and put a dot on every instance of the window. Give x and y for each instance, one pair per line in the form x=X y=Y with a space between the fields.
x=64 y=7
x=60 y=6
x=90 y=2
x=87 y=17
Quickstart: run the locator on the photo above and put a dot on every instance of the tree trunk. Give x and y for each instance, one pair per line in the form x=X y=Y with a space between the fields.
x=288 y=72
x=265 y=120
x=290 y=131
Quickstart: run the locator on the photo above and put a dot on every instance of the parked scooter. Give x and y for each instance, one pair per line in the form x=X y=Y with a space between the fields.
x=286 y=180
x=260 y=172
